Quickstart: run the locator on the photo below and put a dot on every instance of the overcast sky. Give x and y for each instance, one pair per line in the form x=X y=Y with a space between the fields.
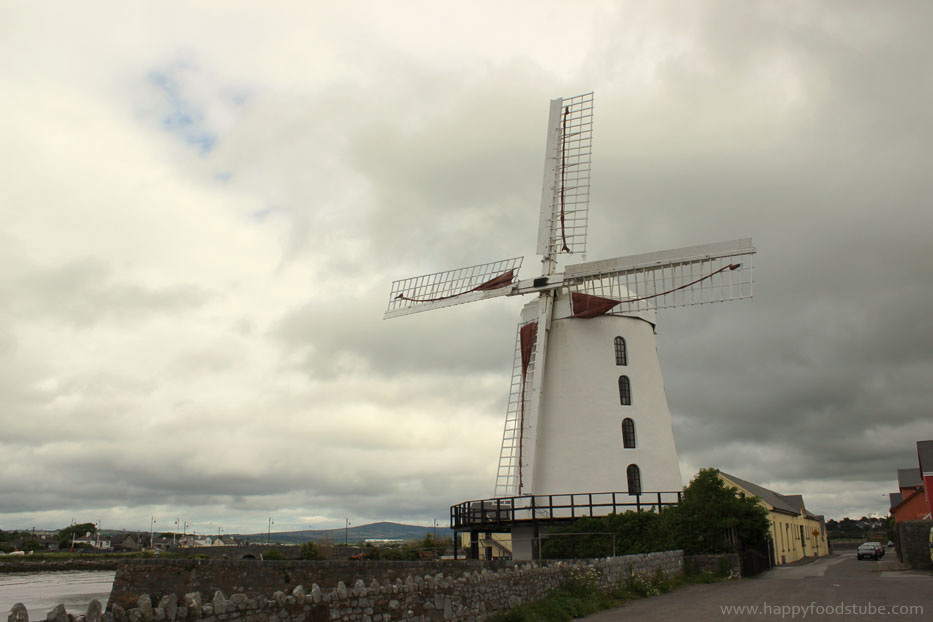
x=202 y=206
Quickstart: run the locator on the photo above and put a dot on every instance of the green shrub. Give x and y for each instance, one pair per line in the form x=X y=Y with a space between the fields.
x=274 y=554
x=310 y=550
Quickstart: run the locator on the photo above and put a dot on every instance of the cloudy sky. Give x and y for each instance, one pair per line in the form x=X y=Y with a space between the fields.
x=202 y=206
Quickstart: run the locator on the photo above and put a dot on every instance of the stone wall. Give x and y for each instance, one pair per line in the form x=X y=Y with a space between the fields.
x=351 y=591
x=253 y=578
x=913 y=543
x=714 y=564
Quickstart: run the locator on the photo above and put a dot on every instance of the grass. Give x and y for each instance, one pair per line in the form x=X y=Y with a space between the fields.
x=580 y=596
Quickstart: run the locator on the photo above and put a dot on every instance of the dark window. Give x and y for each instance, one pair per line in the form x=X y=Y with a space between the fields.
x=628 y=434
x=621 y=354
x=625 y=391
x=634 y=479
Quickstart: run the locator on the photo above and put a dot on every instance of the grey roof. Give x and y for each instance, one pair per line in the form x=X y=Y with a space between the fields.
x=777 y=501
x=896 y=498
x=925 y=456
x=909 y=478
x=795 y=501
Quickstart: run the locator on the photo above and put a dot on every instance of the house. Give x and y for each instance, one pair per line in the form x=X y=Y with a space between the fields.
x=925 y=458
x=796 y=532
x=94 y=541
x=125 y=542
x=912 y=501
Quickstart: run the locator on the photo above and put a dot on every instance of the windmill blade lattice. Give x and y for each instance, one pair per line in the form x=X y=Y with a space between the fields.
x=509 y=470
x=565 y=198
x=452 y=287
x=675 y=278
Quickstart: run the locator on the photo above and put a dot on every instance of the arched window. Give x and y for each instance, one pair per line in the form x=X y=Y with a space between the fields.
x=628 y=433
x=634 y=479
x=621 y=354
x=625 y=391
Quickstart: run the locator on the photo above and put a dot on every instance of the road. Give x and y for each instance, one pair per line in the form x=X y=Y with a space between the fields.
x=838 y=587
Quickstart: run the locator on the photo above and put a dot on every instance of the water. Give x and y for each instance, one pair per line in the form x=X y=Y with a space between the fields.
x=42 y=591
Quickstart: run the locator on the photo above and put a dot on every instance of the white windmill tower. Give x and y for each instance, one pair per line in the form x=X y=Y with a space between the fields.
x=588 y=429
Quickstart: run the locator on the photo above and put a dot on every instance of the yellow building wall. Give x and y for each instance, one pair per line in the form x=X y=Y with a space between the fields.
x=786 y=535
x=501 y=544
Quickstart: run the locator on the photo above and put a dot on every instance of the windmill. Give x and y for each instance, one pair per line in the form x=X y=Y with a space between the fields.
x=587 y=414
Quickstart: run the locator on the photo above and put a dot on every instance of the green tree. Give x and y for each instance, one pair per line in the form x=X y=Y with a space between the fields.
x=74 y=531
x=310 y=550
x=709 y=509
x=697 y=525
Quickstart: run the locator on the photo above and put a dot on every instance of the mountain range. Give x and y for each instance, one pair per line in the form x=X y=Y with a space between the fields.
x=353 y=534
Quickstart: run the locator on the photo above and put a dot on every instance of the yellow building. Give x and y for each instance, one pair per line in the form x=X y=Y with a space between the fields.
x=795 y=532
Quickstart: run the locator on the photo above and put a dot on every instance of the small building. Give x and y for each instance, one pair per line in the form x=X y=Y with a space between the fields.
x=125 y=542
x=94 y=541
x=796 y=532
x=912 y=501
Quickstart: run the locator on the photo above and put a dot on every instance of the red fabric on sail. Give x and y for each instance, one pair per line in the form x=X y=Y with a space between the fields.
x=587 y=306
x=495 y=283
x=527 y=335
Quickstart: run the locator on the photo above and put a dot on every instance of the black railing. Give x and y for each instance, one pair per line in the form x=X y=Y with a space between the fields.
x=506 y=511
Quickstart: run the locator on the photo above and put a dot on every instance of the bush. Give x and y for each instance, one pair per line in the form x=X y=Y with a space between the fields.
x=582 y=583
x=310 y=550
x=273 y=554
x=697 y=525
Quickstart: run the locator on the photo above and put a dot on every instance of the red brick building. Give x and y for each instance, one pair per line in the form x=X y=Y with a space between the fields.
x=913 y=501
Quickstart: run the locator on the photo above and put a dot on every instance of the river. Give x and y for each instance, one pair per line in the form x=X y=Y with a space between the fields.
x=42 y=591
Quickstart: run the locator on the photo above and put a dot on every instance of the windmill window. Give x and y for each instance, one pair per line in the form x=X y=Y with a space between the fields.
x=625 y=391
x=628 y=433
x=634 y=479
x=621 y=353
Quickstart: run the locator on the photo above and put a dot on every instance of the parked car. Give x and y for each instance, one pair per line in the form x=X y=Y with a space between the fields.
x=878 y=546
x=869 y=549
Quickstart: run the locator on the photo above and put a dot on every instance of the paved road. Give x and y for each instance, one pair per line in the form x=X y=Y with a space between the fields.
x=838 y=587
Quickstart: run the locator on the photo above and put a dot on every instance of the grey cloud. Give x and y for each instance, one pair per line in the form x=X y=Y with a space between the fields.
x=85 y=292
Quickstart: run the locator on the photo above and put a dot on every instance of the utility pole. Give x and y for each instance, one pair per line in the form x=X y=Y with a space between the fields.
x=346 y=538
x=269 y=537
x=152 y=521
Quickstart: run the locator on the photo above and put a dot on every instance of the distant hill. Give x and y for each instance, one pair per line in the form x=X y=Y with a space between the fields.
x=354 y=534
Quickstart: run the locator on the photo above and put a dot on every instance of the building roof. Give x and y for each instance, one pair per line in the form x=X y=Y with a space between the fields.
x=795 y=501
x=909 y=478
x=777 y=501
x=906 y=498
x=895 y=498
x=925 y=456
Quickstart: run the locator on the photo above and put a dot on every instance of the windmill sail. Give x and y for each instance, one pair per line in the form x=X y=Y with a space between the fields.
x=674 y=278
x=565 y=195
x=508 y=474
x=453 y=287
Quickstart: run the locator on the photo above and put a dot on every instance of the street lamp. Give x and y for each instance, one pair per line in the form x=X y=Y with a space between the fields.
x=346 y=538
x=269 y=537
x=152 y=521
